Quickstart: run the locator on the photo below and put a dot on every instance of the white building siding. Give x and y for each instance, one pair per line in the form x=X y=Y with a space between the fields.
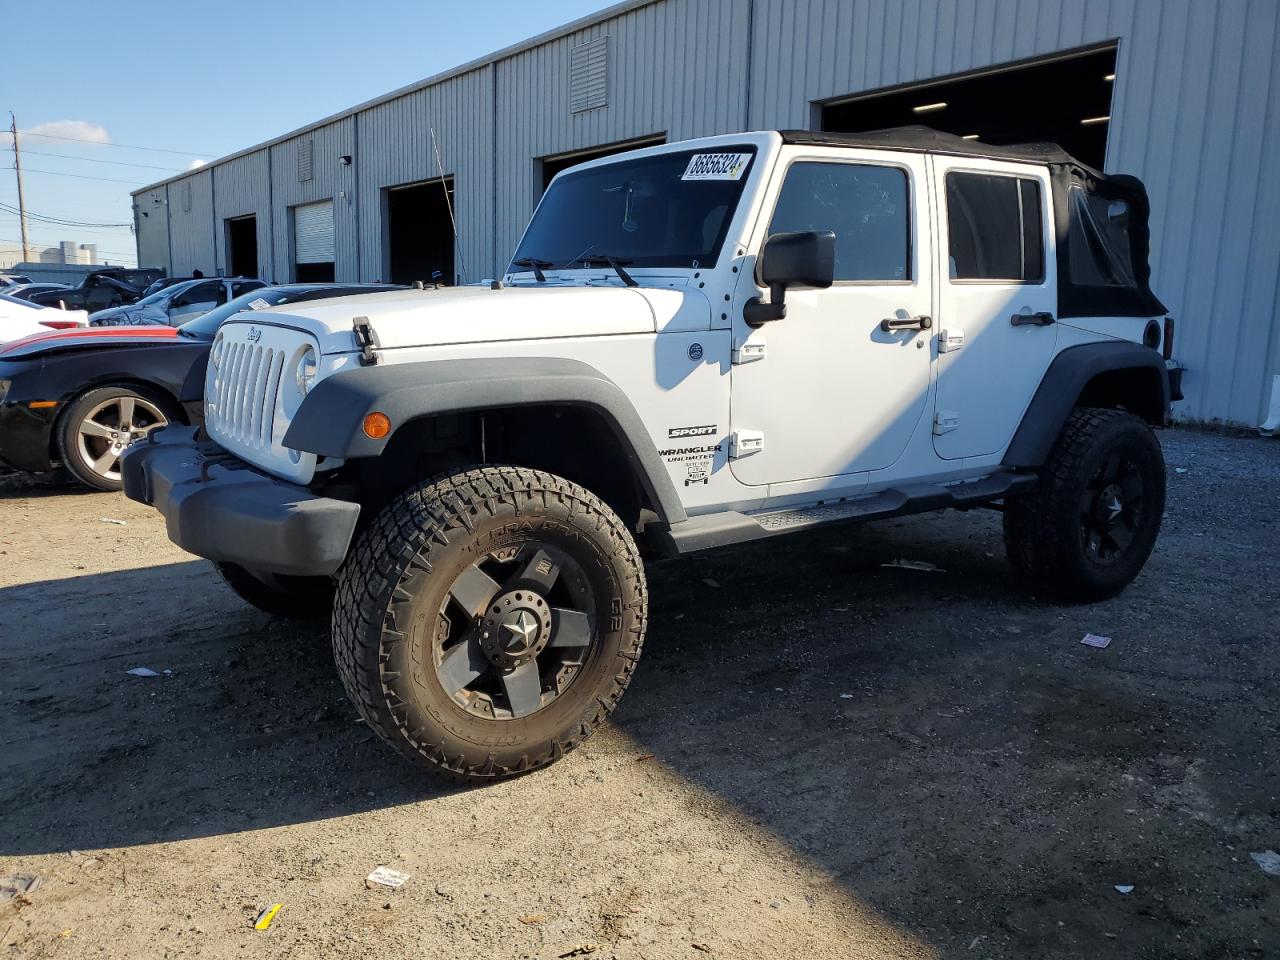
x=329 y=179
x=1194 y=114
x=676 y=68
x=243 y=187
x=190 y=205
x=151 y=227
x=395 y=148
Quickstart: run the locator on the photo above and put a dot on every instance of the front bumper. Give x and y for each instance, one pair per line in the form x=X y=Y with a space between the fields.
x=26 y=436
x=219 y=507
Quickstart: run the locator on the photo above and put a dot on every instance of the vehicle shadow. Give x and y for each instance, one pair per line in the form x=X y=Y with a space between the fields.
x=16 y=485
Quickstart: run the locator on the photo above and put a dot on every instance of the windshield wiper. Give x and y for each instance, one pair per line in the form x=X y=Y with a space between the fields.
x=537 y=266
x=608 y=261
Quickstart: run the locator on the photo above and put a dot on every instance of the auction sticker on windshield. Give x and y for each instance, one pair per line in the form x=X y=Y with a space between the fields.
x=716 y=166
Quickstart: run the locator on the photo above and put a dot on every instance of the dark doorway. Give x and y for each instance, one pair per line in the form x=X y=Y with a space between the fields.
x=1064 y=100
x=553 y=165
x=314 y=272
x=420 y=232
x=242 y=246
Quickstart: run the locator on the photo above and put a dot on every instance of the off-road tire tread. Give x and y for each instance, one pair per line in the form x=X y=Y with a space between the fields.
x=402 y=534
x=1034 y=537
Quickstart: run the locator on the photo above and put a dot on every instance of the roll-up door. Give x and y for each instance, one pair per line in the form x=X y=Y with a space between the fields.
x=313 y=241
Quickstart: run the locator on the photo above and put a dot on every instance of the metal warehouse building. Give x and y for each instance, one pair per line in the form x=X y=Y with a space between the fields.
x=1183 y=93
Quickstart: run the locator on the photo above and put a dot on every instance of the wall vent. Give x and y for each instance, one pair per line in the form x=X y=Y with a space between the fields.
x=589 y=75
x=186 y=196
x=304 y=160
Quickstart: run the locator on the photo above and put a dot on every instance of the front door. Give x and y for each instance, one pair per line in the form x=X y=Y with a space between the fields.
x=997 y=298
x=827 y=391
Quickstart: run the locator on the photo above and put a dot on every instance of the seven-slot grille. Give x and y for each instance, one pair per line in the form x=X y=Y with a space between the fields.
x=246 y=388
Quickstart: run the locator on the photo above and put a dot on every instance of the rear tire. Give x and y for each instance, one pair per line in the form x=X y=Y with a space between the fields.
x=295 y=598
x=489 y=620
x=96 y=427
x=1088 y=528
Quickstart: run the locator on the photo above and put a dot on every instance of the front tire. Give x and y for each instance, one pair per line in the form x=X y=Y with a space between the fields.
x=98 y=425
x=1087 y=529
x=489 y=620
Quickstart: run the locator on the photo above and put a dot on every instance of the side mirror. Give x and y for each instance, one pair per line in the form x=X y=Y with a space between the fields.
x=791 y=260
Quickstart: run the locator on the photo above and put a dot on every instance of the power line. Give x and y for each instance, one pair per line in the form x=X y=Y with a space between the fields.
x=61 y=221
x=118 y=163
x=80 y=176
x=127 y=146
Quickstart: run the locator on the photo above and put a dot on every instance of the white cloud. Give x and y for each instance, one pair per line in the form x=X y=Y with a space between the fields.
x=196 y=164
x=71 y=130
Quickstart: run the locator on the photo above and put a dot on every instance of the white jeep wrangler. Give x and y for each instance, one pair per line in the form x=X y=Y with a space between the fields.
x=696 y=344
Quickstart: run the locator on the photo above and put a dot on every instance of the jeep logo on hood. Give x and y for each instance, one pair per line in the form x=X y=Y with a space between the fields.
x=254 y=334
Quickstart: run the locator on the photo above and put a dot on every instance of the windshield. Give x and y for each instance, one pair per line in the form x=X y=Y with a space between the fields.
x=17 y=301
x=667 y=210
x=161 y=296
x=206 y=325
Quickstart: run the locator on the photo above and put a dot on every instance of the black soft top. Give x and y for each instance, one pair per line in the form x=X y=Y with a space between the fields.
x=1103 y=235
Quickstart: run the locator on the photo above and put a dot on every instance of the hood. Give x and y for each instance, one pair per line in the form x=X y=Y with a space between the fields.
x=476 y=314
x=86 y=337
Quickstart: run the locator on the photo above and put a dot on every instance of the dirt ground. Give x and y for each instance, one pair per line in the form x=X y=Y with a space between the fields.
x=819 y=757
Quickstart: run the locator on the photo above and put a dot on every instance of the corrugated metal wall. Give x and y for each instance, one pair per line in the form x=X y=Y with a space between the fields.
x=329 y=179
x=243 y=187
x=191 y=225
x=677 y=68
x=151 y=227
x=1196 y=114
x=395 y=148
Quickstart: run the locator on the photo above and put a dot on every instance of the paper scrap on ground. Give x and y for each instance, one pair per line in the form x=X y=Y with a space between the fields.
x=119 y=523
x=17 y=884
x=266 y=916
x=142 y=672
x=922 y=565
x=1093 y=640
x=388 y=877
x=1268 y=861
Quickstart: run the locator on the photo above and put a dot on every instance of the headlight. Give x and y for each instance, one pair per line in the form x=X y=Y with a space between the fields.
x=306 y=372
x=215 y=354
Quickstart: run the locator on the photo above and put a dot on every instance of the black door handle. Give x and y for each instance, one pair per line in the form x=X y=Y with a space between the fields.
x=1042 y=319
x=910 y=323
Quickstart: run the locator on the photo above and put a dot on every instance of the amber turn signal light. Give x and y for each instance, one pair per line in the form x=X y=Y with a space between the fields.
x=376 y=425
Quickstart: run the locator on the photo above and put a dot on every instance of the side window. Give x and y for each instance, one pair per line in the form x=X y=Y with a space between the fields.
x=867 y=207
x=994 y=228
x=245 y=286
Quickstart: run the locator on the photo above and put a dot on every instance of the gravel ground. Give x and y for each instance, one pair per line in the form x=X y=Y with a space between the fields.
x=819 y=756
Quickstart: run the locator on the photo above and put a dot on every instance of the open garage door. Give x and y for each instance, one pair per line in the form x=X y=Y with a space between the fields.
x=420 y=232
x=242 y=246
x=313 y=244
x=1063 y=99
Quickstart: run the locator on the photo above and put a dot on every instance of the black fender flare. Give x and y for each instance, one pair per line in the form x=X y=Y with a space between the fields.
x=1068 y=374
x=330 y=421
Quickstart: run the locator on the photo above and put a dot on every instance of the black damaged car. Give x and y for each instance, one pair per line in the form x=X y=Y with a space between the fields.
x=81 y=396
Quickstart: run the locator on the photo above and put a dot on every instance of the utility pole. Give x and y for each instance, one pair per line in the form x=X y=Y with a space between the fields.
x=22 y=207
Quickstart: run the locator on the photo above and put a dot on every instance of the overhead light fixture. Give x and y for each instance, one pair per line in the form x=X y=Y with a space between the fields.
x=970 y=136
x=1090 y=121
x=1109 y=77
x=930 y=107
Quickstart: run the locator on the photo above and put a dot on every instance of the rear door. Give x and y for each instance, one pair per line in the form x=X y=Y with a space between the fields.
x=997 y=283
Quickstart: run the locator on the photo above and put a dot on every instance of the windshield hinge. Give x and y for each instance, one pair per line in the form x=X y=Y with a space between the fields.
x=366 y=340
x=746 y=351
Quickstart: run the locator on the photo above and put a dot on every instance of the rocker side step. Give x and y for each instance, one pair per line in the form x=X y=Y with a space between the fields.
x=722 y=529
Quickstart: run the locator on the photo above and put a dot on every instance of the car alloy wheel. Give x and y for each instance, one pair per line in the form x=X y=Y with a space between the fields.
x=109 y=427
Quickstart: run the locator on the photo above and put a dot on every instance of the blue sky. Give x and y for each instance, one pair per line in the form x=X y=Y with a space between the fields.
x=205 y=80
